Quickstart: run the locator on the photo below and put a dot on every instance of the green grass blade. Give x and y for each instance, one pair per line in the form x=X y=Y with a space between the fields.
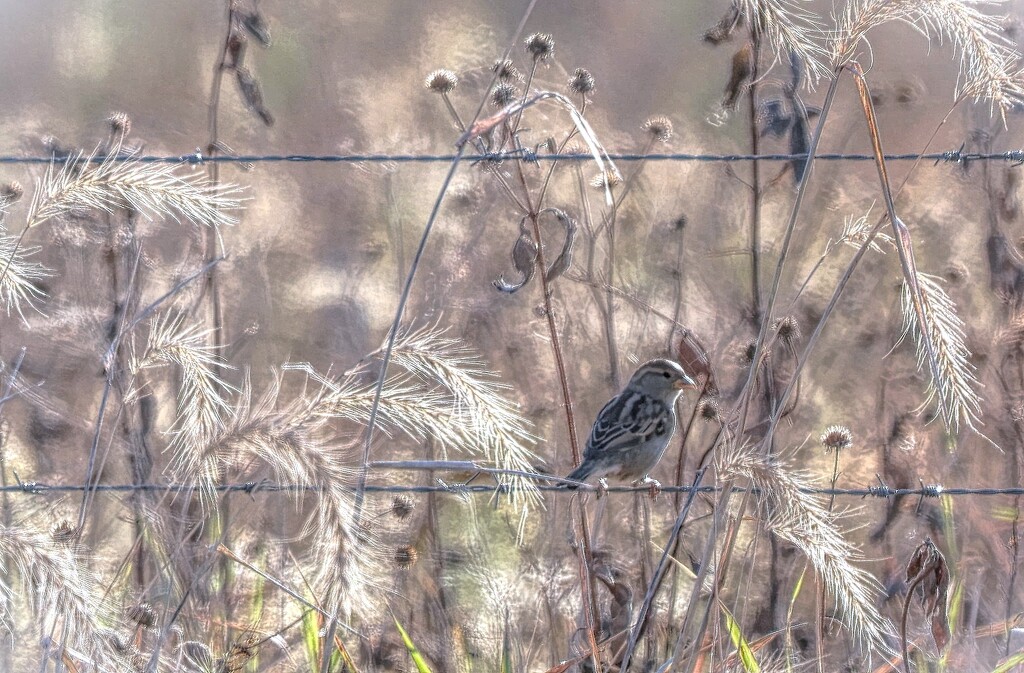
x=750 y=664
x=417 y=657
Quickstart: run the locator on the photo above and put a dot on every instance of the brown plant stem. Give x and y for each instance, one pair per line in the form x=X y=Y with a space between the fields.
x=755 y=182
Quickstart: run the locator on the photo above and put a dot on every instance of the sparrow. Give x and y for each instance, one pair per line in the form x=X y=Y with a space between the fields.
x=634 y=428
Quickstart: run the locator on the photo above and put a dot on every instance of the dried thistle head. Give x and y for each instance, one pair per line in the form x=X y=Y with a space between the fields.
x=504 y=94
x=142 y=614
x=541 y=46
x=441 y=81
x=749 y=349
x=836 y=438
x=788 y=330
x=723 y=30
x=581 y=82
x=607 y=179
x=506 y=70
x=659 y=128
x=11 y=193
x=709 y=410
x=401 y=507
x=120 y=123
x=64 y=532
x=406 y=556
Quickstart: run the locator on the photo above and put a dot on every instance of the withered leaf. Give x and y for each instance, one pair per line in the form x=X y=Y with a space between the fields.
x=524 y=259
x=564 y=259
x=257 y=27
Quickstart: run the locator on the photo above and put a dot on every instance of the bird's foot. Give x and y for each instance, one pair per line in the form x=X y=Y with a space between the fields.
x=653 y=486
x=602 y=488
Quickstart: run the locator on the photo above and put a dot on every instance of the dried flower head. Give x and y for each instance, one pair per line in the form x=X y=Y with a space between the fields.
x=788 y=330
x=581 y=82
x=441 y=81
x=120 y=122
x=401 y=507
x=504 y=94
x=541 y=46
x=746 y=354
x=659 y=128
x=836 y=438
x=506 y=70
x=11 y=192
x=606 y=179
x=64 y=532
x=709 y=410
x=406 y=556
x=142 y=614
x=957 y=272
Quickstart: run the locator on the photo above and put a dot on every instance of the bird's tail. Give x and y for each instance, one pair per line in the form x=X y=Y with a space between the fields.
x=581 y=473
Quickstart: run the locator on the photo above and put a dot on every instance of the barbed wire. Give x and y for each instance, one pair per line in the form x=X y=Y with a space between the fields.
x=253 y=487
x=958 y=156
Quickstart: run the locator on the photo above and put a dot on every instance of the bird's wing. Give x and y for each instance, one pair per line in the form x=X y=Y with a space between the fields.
x=623 y=423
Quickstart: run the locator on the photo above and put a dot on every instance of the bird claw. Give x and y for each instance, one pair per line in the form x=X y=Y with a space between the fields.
x=602 y=488
x=653 y=486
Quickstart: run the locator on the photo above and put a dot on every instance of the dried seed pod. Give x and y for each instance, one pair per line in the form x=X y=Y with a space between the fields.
x=253 y=95
x=236 y=49
x=774 y=118
x=564 y=259
x=257 y=27
x=524 y=258
x=742 y=69
x=401 y=507
x=723 y=30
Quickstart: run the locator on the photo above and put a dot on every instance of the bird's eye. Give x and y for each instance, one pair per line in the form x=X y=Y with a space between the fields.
x=667 y=375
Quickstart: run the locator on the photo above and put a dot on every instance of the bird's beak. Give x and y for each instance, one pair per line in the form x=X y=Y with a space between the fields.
x=685 y=382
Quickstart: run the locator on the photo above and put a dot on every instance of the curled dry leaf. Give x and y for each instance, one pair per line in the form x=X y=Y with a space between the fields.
x=927 y=572
x=524 y=258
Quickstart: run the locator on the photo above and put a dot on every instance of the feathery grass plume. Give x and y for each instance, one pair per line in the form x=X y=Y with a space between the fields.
x=202 y=404
x=18 y=275
x=496 y=430
x=789 y=29
x=989 y=66
x=59 y=591
x=295 y=441
x=953 y=378
x=153 y=189
x=801 y=519
x=856 y=231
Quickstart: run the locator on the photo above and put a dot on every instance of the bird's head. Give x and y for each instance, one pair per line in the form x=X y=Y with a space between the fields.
x=664 y=378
